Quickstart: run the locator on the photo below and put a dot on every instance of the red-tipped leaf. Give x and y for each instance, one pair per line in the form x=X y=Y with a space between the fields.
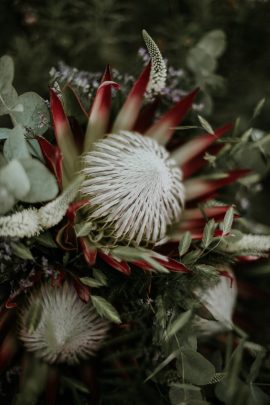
x=121 y=266
x=163 y=129
x=129 y=112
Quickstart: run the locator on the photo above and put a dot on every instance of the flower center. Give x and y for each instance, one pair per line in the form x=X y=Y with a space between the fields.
x=134 y=186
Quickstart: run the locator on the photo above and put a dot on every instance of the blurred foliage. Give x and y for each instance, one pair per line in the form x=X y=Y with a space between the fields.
x=90 y=33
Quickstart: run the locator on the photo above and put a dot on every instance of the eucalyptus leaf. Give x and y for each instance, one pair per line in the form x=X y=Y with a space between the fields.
x=4 y=132
x=43 y=183
x=213 y=43
x=91 y=282
x=15 y=179
x=8 y=100
x=199 y=61
x=6 y=73
x=7 y=200
x=184 y=394
x=195 y=368
x=15 y=146
x=35 y=114
x=105 y=309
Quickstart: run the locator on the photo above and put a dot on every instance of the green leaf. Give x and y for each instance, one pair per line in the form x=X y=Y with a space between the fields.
x=7 y=200
x=191 y=257
x=213 y=43
x=6 y=73
x=100 y=276
x=208 y=233
x=83 y=229
x=7 y=101
x=4 y=132
x=178 y=323
x=22 y=251
x=205 y=124
x=200 y=62
x=91 y=282
x=206 y=269
x=75 y=384
x=195 y=368
x=258 y=108
x=185 y=243
x=43 y=183
x=105 y=309
x=228 y=221
x=15 y=146
x=35 y=114
x=15 y=179
x=46 y=239
x=163 y=364
x=180 y=394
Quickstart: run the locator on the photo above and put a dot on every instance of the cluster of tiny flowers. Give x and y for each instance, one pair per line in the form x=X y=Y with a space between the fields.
x=176 y=81
x=87 y=82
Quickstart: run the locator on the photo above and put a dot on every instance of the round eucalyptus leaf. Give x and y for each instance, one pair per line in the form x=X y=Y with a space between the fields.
x=213 y=43
x=8 y=100
x=7 y=200
x=43 y=184
x=6 y=73
x=15 y=179
x=34 y=113
x=195 y=368
x=15 y=146
x=198 y=60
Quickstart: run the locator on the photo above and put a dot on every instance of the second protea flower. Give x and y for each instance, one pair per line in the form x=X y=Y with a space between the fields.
x=59 y=328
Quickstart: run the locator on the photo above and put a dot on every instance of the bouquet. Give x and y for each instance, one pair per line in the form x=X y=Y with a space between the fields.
x=119 y=235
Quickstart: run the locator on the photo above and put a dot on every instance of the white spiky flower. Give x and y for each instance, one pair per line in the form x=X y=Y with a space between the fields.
x=134 y=185
x=220 y=301
x=66 y=330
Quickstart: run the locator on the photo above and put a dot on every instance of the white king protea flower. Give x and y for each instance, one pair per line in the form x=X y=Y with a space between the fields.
x=134 y=185
x=59 y=328
x=220 y=301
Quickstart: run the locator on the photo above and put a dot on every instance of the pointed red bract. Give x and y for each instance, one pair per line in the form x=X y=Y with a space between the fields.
x=129 y=112
x=8 y=349
x=100 y=111
x=64 y=137
x=82 y=290
x=198 y=145
x=197 y=163
x=121 y=266
x=89 y=251
x=146 y=117
x=200 y=188
x=163 y=129
x=53 y=157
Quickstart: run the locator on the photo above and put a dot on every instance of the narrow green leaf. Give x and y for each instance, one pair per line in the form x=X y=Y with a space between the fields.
x=178 y=323
x=100 y=276
x=22 y=251
x=205 y=124
x=185 y=243
x=105 y=309
x=258 y=108
x=91 y=282
x=75 y=384
x=163 y=364
x=228 y=221
x=208 y=233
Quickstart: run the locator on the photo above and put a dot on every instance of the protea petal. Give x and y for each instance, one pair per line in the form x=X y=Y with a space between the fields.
x=64 y=137
x=200 y=187
x=198 y=162
x=8 y=349
x=53 y=157
x=100 y=111
x=163 y=129
x=146 y=117
x=89 y=251
x=119 y=265
x=198 y=145
x=129 y=112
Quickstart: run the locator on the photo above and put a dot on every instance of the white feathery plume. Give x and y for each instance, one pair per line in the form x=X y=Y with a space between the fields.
x=158 y=71
x=66 y=330
x=248 y=244
x=220 y=301
x=134 y=185
x=31 y=222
